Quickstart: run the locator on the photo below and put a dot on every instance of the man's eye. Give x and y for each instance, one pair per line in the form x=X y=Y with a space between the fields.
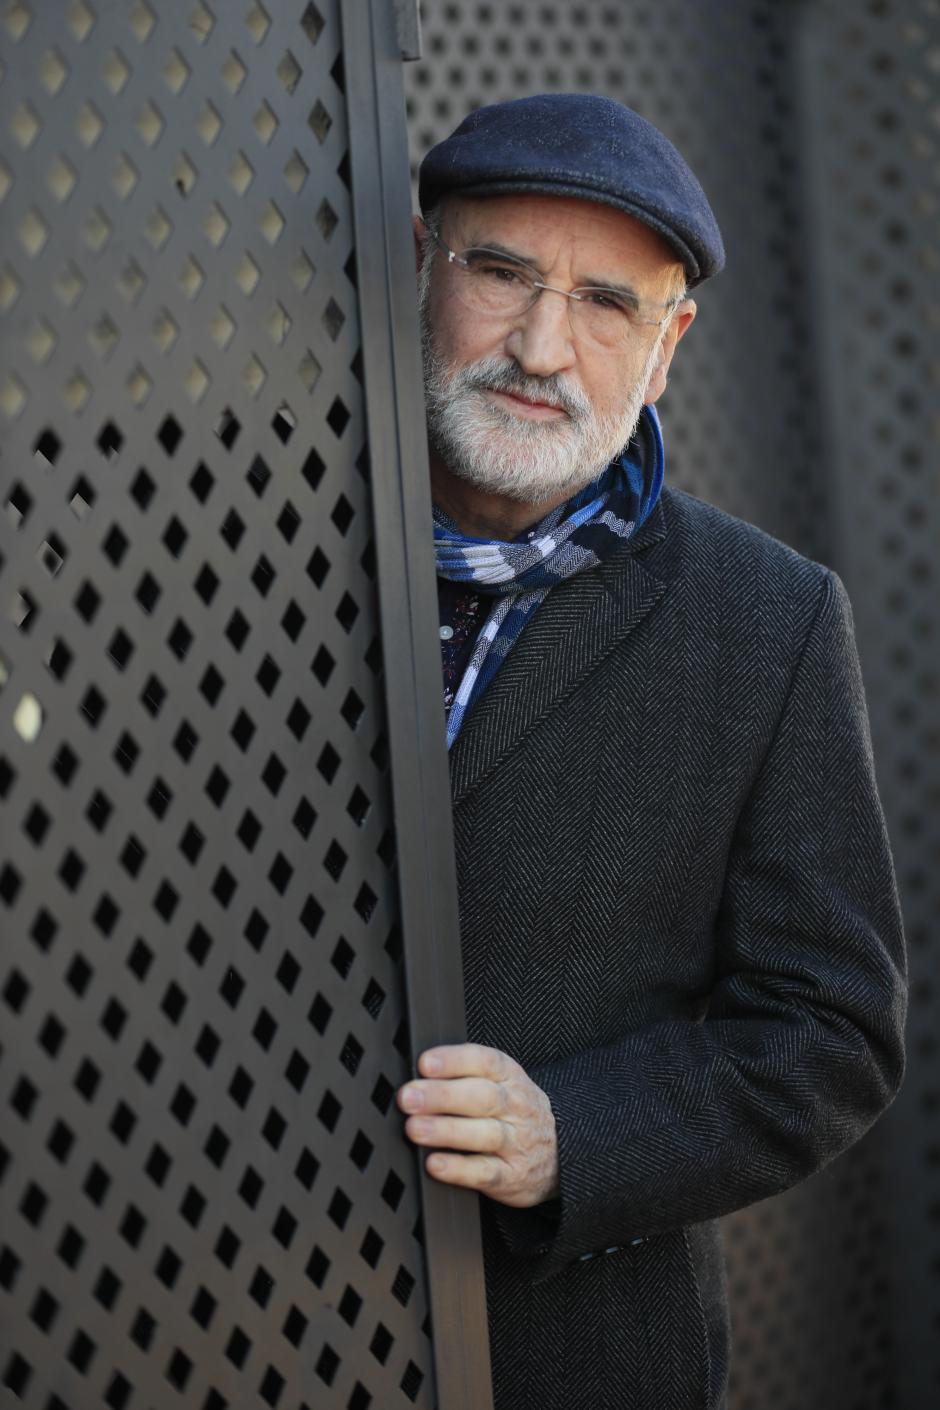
x=500 y=273
x=610 y=302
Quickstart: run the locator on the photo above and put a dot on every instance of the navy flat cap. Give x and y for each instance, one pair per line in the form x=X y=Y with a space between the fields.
x=579 y=144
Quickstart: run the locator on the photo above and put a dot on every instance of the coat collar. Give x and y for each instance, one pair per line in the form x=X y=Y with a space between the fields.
x=579 y=622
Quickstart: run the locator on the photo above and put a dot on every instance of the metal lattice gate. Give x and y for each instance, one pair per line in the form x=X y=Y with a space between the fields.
x=205 y=1195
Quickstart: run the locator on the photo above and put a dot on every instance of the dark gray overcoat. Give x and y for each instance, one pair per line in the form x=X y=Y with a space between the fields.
x=678 y=912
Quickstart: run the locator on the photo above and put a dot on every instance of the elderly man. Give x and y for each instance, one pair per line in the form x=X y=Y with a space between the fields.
x=683 y=957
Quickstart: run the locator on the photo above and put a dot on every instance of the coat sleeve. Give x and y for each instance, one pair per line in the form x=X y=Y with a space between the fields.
x=802 y=1045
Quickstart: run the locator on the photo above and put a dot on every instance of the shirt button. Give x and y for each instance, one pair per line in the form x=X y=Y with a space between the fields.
x=446 y=633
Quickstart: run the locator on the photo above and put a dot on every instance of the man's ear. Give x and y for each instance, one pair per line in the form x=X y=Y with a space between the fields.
x=679 y=324
x=421 y=234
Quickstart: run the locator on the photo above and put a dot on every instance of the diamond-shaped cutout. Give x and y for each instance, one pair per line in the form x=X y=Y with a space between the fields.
x=284 y=423
x=184 y=174
x=17 y=508
x=247 y=275
x=52 y=555
x=216 y=225
x=76 y=392
x=176 y=72
x=197 y=382
x=296 y=172
x=337 y=418
x=279 y=323
x=165 y=331
x=53 y=71
x=326 y=219
x=25 y=125
x=89 y=125
x=309 y=370
x=272 y=223
x=240 y=173
x=312 y=22
x=254 y=376
x=9 y=289
x=124 y=176
x=28 y=718
x=139 y=385
x=79 y=20
x=258 y=22
x=104 y=336
x=61 y=178
x=159 y=227
x=191 y=278
x=265 y=123
x=222 y=327
x=12 y=395
x=234 y=72
x=40 y=341
x=115 y=71
x=333 y=319
x=142 y=20
x=302 y=272
x=16 y=20
x=97 y=230
x=69 y=285
x=149 y=125
x=289 y=71
x=320 y=121
x=131 y=281
x=208 y=124
x=33 y=233
x=22 y=610
x=201 y=22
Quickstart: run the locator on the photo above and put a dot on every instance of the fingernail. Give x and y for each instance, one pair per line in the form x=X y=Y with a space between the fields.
x=411 y=1099
x=431 y=1064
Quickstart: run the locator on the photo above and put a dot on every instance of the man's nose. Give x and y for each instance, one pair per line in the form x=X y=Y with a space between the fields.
x=541 y=341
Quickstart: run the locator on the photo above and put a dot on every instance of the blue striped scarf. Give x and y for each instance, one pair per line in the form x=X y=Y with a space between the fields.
x=570 y=539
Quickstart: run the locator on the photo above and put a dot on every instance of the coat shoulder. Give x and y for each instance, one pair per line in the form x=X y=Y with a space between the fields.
x=718 y=552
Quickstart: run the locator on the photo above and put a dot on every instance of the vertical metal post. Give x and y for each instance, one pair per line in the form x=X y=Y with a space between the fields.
x=420 y=784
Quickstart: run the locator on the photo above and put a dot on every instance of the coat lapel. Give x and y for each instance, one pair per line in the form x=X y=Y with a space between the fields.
x=579 y=622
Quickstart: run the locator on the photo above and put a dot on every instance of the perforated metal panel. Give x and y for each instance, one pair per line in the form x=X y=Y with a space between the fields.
x=205 y=1195
x=804 y=400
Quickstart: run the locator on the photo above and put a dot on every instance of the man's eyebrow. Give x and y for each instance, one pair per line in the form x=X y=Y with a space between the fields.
x=589 y=281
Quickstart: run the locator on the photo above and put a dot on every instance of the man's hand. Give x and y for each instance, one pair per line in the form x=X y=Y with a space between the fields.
x=478 y=1100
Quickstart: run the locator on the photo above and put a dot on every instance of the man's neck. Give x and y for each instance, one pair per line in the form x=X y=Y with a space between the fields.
x=480 y=514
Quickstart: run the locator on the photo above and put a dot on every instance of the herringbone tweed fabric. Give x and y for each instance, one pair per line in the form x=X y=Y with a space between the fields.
x=678 y=912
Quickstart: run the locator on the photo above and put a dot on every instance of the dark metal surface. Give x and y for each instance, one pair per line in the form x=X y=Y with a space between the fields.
x=206 y=1198
x=420 y=780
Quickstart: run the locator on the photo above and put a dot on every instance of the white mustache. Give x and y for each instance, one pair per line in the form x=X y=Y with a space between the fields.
x=497 y=376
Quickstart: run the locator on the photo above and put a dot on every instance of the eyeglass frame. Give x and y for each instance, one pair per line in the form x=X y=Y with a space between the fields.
x=539 y=285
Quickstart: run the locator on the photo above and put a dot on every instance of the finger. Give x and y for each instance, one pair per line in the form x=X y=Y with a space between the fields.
x=459 y=1133
x=474 y=1172
x=465 y=1060
x=459 y=1096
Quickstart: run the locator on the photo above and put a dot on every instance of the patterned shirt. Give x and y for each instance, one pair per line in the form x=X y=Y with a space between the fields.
x=461 y=613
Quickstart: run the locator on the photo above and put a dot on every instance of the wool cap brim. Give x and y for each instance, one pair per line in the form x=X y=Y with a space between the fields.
x=579 y=144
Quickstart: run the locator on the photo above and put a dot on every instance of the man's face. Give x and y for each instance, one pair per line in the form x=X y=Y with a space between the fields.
x=522 y=406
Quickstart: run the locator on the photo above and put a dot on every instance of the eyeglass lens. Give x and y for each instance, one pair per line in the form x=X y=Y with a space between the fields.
x=501 y=288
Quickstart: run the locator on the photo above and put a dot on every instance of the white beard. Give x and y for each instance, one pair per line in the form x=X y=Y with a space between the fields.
x=525 y=460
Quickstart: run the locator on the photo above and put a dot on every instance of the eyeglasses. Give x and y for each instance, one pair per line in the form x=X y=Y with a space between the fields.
x=496 y=285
